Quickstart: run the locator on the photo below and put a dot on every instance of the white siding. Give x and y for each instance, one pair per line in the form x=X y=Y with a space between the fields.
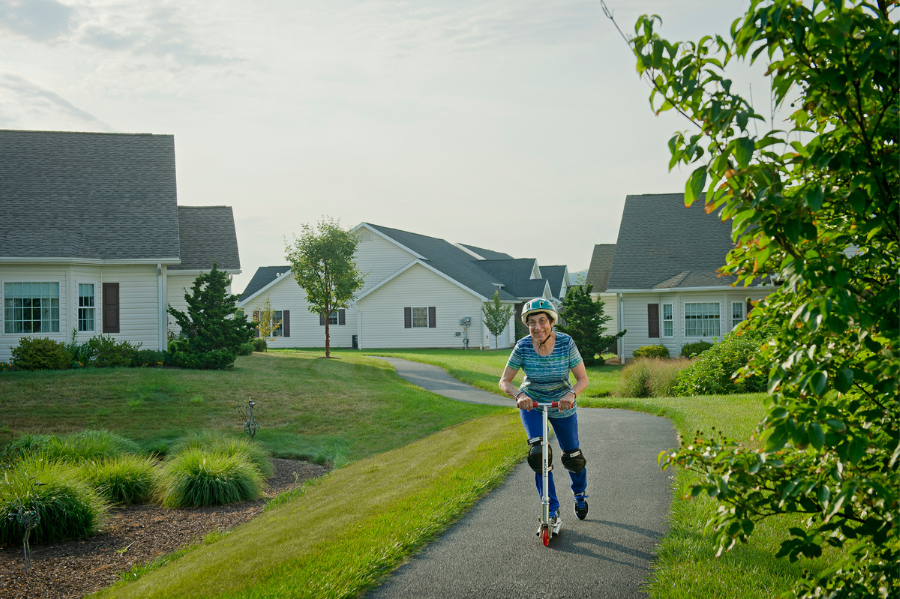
x=634 y=310
x=138 y=300
x=377 y=259
x=609 y=309
x=381 y=312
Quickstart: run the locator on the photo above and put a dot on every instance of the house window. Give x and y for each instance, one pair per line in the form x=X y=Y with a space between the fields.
x=668 y=320
x=701 y=320
x=278 y=321
x=737 y=313
x=85 y=306
x=30 y=308
x=333 y=317
x=420 y=317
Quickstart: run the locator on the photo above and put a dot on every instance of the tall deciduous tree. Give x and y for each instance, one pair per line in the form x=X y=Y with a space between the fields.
x=496 y=316
x=816 y=204
x=585 y=320
x=322 y=260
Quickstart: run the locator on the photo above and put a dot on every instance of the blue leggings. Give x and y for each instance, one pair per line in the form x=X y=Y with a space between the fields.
x=566 y=430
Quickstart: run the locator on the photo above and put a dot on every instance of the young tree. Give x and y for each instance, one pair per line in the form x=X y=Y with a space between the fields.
x=212 y=327
x=264 y=317
x=323 y=263
x=496 y=317
x=585 y=321
x=816 y=205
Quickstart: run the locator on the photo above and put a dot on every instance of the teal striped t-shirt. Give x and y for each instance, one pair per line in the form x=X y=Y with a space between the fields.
x=546 y=377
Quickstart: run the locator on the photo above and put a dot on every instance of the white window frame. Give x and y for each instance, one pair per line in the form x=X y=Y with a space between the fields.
x=414 y=317
x=670 y=321
x=743 y=317
x=59 y=295
x=690 y=334
x=78 y=307
x=334 y=318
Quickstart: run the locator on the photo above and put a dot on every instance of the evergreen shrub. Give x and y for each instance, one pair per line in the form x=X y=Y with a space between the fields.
x=198 y=478
x=40 y=353
x=68 y=507
x=651 y=351
x=106 y=352
x=245 y=349
x=149 y=358
x=691 y=350
x=260 y=345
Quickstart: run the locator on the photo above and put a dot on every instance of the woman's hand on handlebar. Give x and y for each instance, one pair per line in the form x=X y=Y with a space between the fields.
x=567 y=402
x=523 y=402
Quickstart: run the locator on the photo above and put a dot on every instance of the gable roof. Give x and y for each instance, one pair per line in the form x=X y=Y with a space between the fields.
x=663 y=245
x=263 y=276
x=449 y=260
x=515 y=275
x=207 y=236
x=554 y=275
x=487 y=254
x=601 y=264
x=104 y=196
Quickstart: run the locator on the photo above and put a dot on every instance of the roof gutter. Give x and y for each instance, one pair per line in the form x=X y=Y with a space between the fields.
x=676 y=289
x=94 y=261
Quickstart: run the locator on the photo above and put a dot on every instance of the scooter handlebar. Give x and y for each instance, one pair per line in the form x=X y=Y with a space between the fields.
x=535 y=404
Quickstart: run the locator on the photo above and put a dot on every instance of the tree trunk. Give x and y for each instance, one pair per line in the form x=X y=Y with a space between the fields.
x=327 y=337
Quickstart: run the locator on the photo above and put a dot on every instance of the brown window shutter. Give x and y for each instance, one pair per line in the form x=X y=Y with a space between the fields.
x=342 y=316
x=110 y=307
x=432 y=317
x=321 y=320
x=286 y=323
x=749 y=307
x=256 y=319
x=653 y=320
x=407 y=318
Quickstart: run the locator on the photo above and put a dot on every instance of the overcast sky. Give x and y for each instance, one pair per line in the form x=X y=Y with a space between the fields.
x=515 y=125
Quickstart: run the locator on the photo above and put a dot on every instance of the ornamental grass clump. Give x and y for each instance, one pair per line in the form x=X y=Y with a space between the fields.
x=68 y=507
x=90 y=445
x=126 y=479
x=198 y=478
x=650 y=377
x=218 y=442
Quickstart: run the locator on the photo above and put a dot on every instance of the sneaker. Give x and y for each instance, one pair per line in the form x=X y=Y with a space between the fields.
x=581 y=506
x=555 y=522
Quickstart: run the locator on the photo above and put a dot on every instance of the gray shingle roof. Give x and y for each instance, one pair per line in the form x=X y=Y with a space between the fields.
x=515 y=274
x=664 y=245
x=262 y=277
x=207 y=236
x=87 y=195
x=554 y=275
x=487 y=254
x=449 y=260
x=601 y=264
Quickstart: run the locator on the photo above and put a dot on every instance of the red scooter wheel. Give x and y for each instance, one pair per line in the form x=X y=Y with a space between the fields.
x=545 y=536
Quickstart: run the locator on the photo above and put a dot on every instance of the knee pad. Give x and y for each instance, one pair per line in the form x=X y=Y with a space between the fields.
x=574 y=461
x=535 y=459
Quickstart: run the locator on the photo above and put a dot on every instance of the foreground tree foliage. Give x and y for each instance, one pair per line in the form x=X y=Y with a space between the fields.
x=585 y=321
x=816 y=205
x=324 y=265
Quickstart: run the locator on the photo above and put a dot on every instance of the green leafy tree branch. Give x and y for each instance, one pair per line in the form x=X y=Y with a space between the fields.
x=496 y=316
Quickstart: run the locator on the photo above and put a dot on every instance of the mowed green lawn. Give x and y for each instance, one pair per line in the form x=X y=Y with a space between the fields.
x=332 y=411
x=686 y=566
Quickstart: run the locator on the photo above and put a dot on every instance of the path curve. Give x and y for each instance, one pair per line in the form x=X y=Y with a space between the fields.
x=493 y=551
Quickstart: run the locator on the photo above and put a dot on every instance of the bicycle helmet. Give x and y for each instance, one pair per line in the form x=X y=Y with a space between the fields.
x=539 y=304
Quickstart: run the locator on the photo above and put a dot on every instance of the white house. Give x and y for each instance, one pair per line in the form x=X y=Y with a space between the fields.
x=419 y=291
x=665 y=275
x=598 y=277
x=92 y=239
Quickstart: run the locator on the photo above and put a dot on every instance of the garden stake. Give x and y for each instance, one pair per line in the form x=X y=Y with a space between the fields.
x=28 y=519
x=250 y=423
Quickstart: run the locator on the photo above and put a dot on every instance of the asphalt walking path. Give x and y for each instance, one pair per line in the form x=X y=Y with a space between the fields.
x=493 y=550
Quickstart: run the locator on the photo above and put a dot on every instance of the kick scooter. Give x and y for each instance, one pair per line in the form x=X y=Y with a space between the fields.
x=546 y=531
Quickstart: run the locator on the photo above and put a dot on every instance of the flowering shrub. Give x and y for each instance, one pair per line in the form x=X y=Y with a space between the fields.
x=713 y=372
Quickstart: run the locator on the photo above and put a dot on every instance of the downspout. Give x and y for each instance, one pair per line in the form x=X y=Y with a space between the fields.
x=163 y=319
x=620 y=309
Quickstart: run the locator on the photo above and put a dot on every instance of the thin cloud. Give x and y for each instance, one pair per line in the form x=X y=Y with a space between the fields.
x=38 y=99
x=39 y=20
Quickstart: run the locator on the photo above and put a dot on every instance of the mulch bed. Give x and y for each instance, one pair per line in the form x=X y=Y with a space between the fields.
x=133 y=535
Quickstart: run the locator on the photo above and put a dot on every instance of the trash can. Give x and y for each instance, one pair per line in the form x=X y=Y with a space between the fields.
x=354 y=343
